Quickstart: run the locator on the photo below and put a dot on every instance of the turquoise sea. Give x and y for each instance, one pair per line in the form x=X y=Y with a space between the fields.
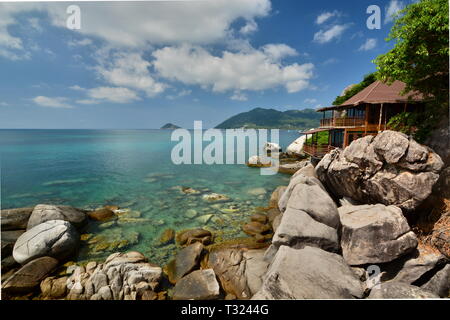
x=132 y=169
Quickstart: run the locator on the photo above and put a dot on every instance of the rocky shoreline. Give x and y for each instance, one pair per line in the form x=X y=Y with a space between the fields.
x=369 y=221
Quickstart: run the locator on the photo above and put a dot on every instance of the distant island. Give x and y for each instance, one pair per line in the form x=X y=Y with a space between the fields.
x=260 y=118
x=170 y=126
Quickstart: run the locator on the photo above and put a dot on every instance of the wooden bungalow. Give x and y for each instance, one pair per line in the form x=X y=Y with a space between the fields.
x=366 y=113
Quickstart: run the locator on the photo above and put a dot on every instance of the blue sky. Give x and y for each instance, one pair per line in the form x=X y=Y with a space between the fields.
x=143 y=64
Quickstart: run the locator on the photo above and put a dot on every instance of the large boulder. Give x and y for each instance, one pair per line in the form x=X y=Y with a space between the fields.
x=53 y=238
x=198 y=285
x=275 y=196
x=374 y=234
x=298 y=229
x=239 y=270
x=45 y=212
x=399 y=290
x=28 y=278
x=296 y=147
x=389 y=169
x=187 y=260
x=309 y=273
x=14 y=219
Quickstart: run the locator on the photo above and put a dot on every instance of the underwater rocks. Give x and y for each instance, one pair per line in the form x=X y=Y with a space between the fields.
x=167 y=237
x=187 y=237
x=103 y=214
x=112 y=240
x=215 y=197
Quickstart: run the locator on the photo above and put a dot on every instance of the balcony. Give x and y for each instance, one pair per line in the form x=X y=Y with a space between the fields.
x=341 y=122
x=317 y=151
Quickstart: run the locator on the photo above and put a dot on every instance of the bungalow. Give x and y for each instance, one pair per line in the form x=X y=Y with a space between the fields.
x=366 y=113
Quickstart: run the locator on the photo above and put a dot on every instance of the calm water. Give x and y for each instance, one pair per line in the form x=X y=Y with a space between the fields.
x=131 y=169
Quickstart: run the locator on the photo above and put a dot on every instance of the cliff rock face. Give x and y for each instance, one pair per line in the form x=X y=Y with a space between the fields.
x=389 y=169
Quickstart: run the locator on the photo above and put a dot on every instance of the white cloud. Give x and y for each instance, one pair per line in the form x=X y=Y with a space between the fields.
x=163 y=22
x=310 y=101
x=392 y=9
x=326 y=16
x=113 y=94
x=370 y=44
x=278 y=51
x=180 y=94
x=80 y=43
x=87 y=101
x=330 y=34
x=4 y=104
x=55 y=102
x=249 y=27
x=129 y=70
x=254 y=70
x=239 y=96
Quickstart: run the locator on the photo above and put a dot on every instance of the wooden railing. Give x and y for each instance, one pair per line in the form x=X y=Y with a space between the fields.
x=317 y=150
x=341 y=122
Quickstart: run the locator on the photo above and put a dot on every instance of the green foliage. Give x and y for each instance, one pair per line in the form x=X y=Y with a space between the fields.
x=322 y=139
x=368 y=80
x=274 y=119
x=420 y=57
x=417 y=124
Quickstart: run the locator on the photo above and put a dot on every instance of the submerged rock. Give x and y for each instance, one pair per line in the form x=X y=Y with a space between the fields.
x=103 y=214
x=44 y=212
x=215 y=197
x=389 y=169
x=167 y=237
x=53 y=238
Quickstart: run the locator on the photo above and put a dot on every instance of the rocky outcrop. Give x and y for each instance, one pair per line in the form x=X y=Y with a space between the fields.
x=44 y=212
x=28 y=278
x=309 y=273
x=198 y=285
x=123 y=276
x=54 y=288
x=399 y=290
x=53 y=238
x=15 y=219
x=389 y=169
x=374 y=234
x=187 y=237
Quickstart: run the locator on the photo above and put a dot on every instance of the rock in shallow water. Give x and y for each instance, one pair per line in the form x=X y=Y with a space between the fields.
x=187 y=259
x=27 y=278
x=198 y=285
x=44 y=212
x=374 y=234
x=53 y=238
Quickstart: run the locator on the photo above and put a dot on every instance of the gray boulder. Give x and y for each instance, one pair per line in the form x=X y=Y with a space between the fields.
x=187 y=259
x=45 y=212
x=27 y=278
x=54 y=238
x=440 y=283
x=14 y=219
x=298 y=229
x=309 y=273
x=198 y=285
x=399 y=290
x=389 y=169
x=374 y=234
x=422 y=261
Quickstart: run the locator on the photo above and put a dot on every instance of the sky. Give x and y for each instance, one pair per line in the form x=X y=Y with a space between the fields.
x=140 y=65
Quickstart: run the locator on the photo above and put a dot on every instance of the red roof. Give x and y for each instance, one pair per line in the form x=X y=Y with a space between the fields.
x=379 y=92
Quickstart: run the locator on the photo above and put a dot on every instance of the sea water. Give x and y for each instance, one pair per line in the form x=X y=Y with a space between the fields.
x=133 y=170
